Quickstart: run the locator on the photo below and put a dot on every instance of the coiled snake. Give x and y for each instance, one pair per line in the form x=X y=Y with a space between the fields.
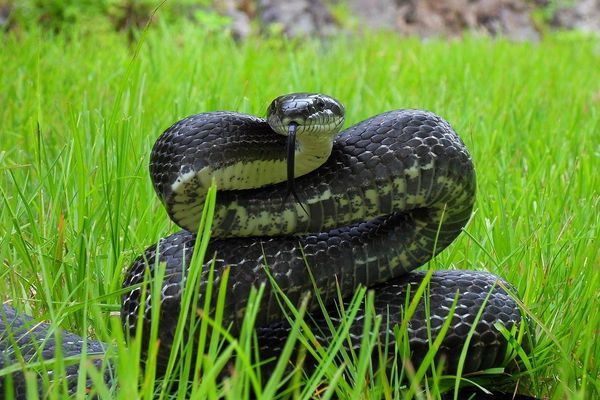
x=300 y=204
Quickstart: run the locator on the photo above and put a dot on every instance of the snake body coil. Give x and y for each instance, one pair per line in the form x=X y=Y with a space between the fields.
x=395 y=190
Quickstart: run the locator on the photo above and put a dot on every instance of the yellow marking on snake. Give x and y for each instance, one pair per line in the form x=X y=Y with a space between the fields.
x=190 y=188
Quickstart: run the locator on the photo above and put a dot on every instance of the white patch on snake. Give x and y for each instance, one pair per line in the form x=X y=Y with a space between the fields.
x=289 y=218
x=311 y=152
x=415 y=199
x=399 y=193
x=370 y=259
x=182 y=181
x=427 y=166
x=412 y=247
x=325 y=195
x=257 y=174
x=357 y=209
x=329 y=220
x=371 y=201
x=412 y=172
x=384 y=189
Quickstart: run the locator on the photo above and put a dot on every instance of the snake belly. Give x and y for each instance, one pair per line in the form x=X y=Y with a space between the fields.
x=396 y=190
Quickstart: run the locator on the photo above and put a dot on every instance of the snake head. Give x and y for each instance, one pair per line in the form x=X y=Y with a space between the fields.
x=312 y=118
x=314 y=114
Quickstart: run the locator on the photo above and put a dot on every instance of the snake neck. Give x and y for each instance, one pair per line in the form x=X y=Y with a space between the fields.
x=311 y=153
x=190 y=188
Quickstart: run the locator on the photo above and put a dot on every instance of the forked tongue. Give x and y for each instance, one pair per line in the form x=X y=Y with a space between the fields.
x=291 y=154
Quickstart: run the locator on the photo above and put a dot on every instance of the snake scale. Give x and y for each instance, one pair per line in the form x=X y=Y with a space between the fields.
x=301 y=204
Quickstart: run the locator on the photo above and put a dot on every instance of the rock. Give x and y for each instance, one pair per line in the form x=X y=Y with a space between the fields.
x=240 y=17
x=297 y=18
x=583 y=15
x=450 y=18
x=376 y=14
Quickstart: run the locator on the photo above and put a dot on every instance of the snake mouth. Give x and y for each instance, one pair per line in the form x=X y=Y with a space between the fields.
x=315 y=115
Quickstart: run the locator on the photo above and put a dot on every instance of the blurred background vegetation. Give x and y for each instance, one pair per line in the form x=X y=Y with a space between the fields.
x=516 y=19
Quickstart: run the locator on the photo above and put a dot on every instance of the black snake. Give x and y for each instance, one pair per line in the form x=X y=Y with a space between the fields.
x=300 y=204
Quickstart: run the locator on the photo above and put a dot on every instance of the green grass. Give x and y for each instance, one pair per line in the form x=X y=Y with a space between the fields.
x=79 y=114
